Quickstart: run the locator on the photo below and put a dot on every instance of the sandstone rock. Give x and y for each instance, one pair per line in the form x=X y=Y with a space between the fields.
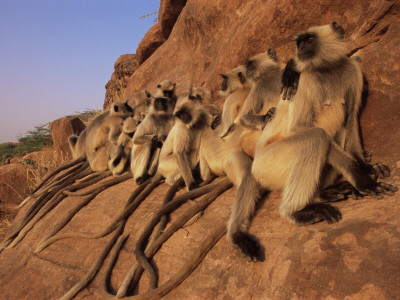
x=168 y=14
x=150 y=43
x=61 y=129
x=14 y=186
x=356 y=258
x=116 y=86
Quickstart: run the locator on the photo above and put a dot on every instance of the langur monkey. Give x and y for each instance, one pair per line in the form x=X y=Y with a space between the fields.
x=166 y=88
x=235 y=87
x=205 y=96
x=149 y=137
x=264 y=70
x=98 y=141
x=122 y=157
x=294 y=150
x=180 y=152
x=142 y=102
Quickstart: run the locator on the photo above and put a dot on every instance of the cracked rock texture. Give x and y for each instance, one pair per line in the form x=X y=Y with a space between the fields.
x=356 y=258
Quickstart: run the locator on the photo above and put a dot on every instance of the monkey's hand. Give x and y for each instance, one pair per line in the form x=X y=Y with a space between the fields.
x=217 y=119
x=270 y=114
x=380 y=170
x=290 y=80
x=156 y=141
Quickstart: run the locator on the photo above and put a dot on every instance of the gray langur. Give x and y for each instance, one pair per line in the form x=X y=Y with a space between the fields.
x=120 y=161
x=166 y=88
x=180 y=152
x=294 y=148
x=141 y=105
x=97 y=143
x=149 y=138
x=235 y=86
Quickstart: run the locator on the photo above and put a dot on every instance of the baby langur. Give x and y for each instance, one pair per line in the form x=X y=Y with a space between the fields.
x=149 y=137
x=180 y=152
x=235 y=87
x=264 y=70
x=142 y=102
x=293 y=152
x=205 y=97
x=120 y=161
x=98 y=141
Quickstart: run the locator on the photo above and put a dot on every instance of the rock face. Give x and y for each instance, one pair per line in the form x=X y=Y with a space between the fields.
x=150 y=43
x=356 y=258
x=168 y=14
x=14 y=186
x=116 y=86
x=61 y=129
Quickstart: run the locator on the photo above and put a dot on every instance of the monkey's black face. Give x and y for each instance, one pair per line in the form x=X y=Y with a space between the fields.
x=168 y=93
x=224 y=85
x=307 y=46
x=128 y=107
x=184 y=115
x=251 y=68
x=160 y=104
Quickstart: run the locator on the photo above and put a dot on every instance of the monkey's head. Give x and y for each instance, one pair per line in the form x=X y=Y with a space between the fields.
x=121 y=109
x=191 y=112
x=143 y=97
x=129 y=126
x=200 y=94
x=166 y=88
x=320 y=46
x=261 y=63
x=233 y=80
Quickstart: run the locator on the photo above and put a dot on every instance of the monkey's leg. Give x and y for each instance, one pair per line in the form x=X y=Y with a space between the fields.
x=142 y=163
x=355 y=174
x=301 y=186
x=213 y=190
x=186 y=170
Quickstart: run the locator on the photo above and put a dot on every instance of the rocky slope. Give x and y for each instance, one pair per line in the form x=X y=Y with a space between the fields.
x=357 y=258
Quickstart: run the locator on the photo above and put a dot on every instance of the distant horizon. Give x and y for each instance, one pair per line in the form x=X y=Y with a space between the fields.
x=56 y=57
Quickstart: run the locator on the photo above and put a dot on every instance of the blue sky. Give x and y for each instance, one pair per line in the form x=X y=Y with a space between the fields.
x=57 y=55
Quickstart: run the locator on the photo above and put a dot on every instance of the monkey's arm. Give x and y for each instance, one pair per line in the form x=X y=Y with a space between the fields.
x=185 y=168
x=257 y=121
x=290 y=80
x=144 y=132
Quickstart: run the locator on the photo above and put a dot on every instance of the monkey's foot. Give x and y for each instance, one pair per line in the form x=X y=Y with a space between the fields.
x=217 y=119
x=316 y=213
x=367 y=156
x=248 y=246
x=380 y=170
x=379 y=188
x=142 y=179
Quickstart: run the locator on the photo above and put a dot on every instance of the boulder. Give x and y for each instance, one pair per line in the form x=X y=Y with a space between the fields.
x=61 y=129
x=116 y=86
x=168 y=14
x=152 y=40
x=15 y=185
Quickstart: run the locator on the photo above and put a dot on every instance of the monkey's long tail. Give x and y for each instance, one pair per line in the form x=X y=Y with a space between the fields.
x=136 y=198
x=213 y=190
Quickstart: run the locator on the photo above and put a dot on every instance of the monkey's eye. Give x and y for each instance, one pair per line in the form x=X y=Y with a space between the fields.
x=310 y=39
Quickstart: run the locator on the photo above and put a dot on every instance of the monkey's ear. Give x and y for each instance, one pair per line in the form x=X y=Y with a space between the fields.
x=174 y=84
x=338 y=29
x=147 y=93
x=148 y=101
x=116 y=108
x=159 y=85
x=272 y=53
x=242 y=78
